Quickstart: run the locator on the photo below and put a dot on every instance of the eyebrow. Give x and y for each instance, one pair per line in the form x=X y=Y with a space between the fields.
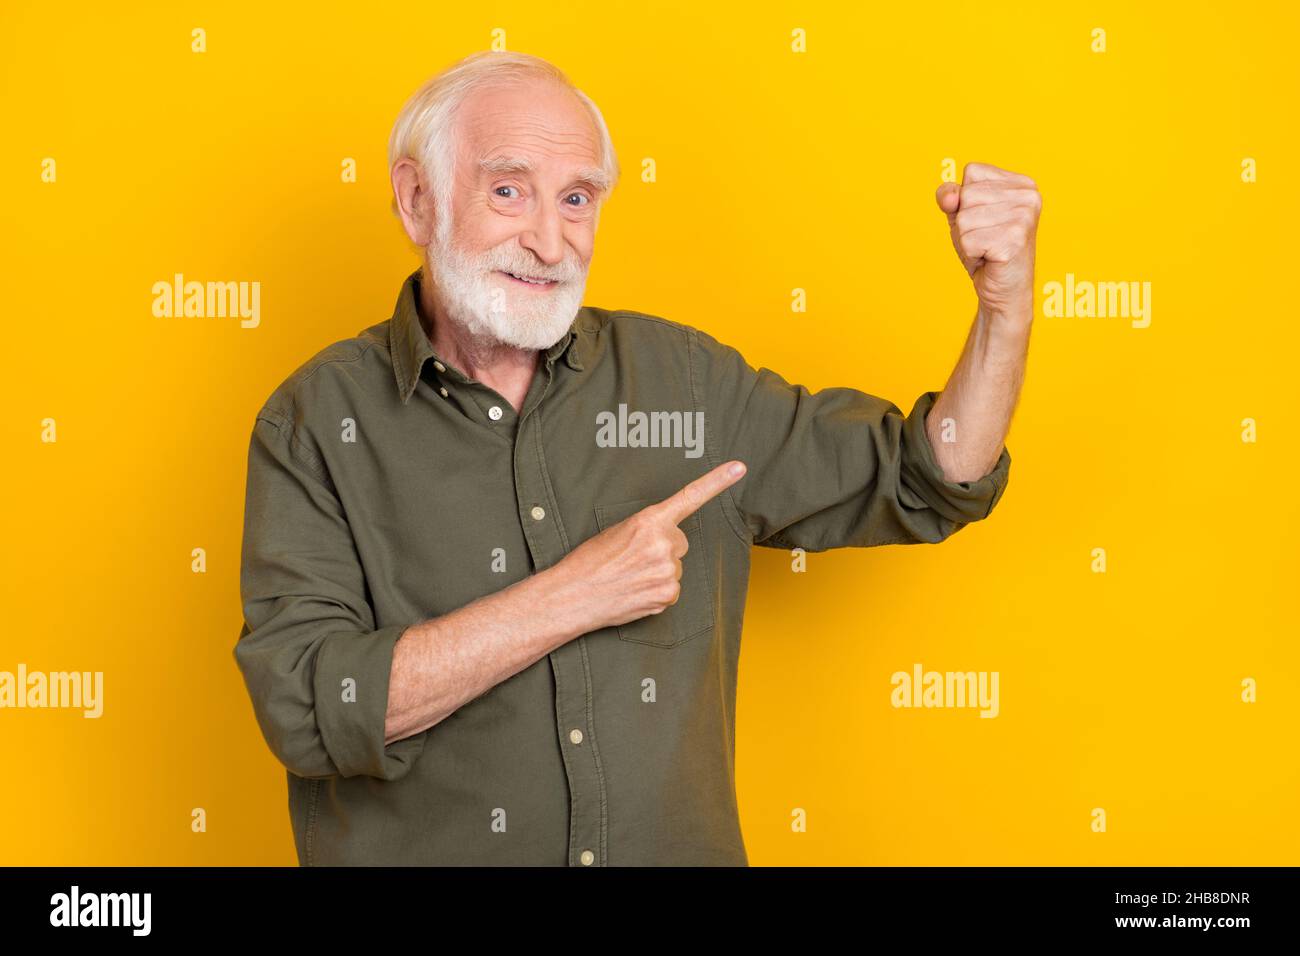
x=592 y=176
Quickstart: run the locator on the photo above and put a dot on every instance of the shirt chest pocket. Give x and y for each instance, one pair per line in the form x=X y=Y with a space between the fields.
x=692 y=615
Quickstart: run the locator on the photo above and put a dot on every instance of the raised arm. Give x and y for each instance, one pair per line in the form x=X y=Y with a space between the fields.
x=993 y=220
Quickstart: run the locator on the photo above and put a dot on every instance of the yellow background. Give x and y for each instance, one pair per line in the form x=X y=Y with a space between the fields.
x=775 y=171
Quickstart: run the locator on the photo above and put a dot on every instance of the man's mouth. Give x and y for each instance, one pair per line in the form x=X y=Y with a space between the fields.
x=534 y=281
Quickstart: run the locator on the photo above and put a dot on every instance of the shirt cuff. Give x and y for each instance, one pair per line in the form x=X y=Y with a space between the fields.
x=960 y=501
x=351 y=717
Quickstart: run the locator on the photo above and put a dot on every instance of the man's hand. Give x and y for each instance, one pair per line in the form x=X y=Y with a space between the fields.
x=993 y=218
x=634 y=568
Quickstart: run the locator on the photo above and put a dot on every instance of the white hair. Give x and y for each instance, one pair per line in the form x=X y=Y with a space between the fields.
x=425 y=128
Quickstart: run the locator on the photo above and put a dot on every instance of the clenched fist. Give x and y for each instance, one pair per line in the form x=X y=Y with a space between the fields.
x=633 y=569
x=993 y=218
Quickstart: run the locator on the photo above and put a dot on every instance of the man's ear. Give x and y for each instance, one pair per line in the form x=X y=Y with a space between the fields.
x=411 y=201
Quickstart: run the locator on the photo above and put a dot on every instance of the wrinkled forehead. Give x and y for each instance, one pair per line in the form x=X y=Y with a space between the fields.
x=524 y=126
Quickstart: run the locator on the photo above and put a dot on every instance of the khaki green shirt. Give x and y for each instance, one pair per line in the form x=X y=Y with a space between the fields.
x=385 y=487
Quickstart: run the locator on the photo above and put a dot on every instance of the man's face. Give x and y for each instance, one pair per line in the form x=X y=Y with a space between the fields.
x=523 y=204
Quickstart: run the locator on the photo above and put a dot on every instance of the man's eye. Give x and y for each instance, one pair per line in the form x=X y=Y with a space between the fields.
x=499 y=188
x=581 y=196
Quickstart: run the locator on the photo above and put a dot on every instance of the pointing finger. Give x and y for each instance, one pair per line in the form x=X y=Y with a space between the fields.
x=695 y=494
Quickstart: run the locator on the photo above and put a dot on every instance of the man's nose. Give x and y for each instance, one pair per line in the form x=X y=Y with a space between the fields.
x=544 y=235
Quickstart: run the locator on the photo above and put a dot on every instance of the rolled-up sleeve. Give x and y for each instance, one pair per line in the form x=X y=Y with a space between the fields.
x=315 y=665
x=833 y=468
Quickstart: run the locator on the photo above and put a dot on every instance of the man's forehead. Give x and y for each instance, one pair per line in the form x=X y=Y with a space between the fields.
x=513 y=129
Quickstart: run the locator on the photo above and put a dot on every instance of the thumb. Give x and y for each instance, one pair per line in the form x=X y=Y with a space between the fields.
x=948 y=196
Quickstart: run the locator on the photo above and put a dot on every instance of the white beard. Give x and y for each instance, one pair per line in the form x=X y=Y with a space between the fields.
x=492 y=309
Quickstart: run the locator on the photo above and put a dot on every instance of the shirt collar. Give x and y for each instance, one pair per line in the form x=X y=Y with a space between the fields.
x=410 y=345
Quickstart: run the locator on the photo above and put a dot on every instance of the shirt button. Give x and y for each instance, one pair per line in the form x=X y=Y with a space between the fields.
x=538 y=512
x=587 y=858
x=439 y=366
x=442 y=392
x=494 y=412
x=575 y=735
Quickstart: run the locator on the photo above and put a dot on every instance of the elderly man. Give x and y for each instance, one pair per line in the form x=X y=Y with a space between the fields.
x=496 y=547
